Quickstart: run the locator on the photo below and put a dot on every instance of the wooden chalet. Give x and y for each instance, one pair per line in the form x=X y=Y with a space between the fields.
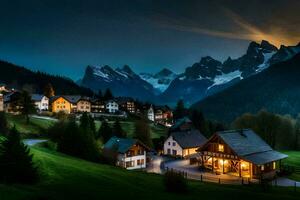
x=240 y=152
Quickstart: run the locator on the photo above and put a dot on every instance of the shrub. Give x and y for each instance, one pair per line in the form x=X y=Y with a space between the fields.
x=175 y=182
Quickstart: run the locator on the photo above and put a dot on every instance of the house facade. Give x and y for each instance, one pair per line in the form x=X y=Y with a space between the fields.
x=126 y=104
x=183 y=143
x=61 y=104
x=83 y=105
x=150 y=114
x=11 y=104
x=41 y=102
x=98 y=106
x=240 y=152
x=132 y=154
x=1 y=103
x=112 y=106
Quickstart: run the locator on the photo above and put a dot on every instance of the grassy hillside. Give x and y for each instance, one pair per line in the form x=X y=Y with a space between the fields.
x=294 y=160
x=66 y=178
x=38 y=126
x=34 y=128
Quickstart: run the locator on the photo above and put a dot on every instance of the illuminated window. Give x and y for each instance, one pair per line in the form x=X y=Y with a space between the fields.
x=262 y=168
x=274 y=165
x=221 y=148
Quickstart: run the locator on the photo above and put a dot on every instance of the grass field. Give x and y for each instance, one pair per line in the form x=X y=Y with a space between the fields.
x=293 y=160
x=35 y=126
x=66 y=178
x=38 y=126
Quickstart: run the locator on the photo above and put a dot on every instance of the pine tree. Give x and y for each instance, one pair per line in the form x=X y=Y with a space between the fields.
x=108 y=95
x=49 y=91
x=79 y=142
x=3 y=124
x=105 y=132
x=100 y=95
x=118 y=130
x=27 y=105
x=142 y=132
x=180 y=110
x=16 y=161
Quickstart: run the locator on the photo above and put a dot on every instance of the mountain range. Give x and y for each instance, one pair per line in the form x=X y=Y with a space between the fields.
x=204 y=78
x=276 y=89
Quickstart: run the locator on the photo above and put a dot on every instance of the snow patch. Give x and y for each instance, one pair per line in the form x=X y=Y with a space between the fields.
x=265 y=64
x=225 y=78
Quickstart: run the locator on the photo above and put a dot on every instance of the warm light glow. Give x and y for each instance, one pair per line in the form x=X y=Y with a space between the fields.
x=221 y=147
x=274 y=165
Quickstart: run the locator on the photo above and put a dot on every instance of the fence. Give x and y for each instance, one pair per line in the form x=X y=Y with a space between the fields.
x=212 y=179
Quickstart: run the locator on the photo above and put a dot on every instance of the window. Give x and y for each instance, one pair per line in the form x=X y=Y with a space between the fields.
x=221 y=148
x=174 y=144
x=140 y=162
x=129 y=164
x=169 y=151
x=262 y=168
x=169 y=143
x=174 y=152
x=274 y=165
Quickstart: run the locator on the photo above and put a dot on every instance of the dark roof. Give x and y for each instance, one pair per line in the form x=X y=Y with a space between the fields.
x=265 y=157
x=70 y=98
x=122 y=100
x=189 y=139
x=37 y=97
x=123 y=144
x=12 y=96
x=248 y=145
x=180 y=122
x=244 y=142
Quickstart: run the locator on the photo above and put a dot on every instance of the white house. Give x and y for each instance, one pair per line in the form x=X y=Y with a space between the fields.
x=41 y=102
x=151 y=115
x=112 y=106
x=183 y=143
x=131 y=153
x=1 y=103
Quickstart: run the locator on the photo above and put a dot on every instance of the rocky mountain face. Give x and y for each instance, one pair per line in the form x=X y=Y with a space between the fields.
x=275 y=89
x=161 y=80
x=204 y=78
x=210 y=76
x=121 y=81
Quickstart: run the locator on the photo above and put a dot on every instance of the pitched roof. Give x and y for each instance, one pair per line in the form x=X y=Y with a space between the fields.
x=123 y=144
x=244 y=142
x=180 y=122
x=248 y=145
x=70 y=98
x=37 y=97
x=265 y=157
x=189 y=139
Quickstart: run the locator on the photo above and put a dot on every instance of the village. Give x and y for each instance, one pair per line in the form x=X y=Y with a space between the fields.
x=230 y=157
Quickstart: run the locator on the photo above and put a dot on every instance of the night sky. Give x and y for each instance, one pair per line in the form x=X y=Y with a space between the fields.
x=63 y=37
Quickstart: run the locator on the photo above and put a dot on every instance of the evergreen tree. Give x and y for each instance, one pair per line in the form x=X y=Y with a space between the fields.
x=100 y=95
x=16 y=161
x=105 y=132
x=27 y=105
x=84 y=121
x=142 y=132
x=108 y=95
x=180 y=110
x=118 y=130
x=78 y=142
x=87 y=123
x=199 y=121
x=3 y=124
x=49 y=91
